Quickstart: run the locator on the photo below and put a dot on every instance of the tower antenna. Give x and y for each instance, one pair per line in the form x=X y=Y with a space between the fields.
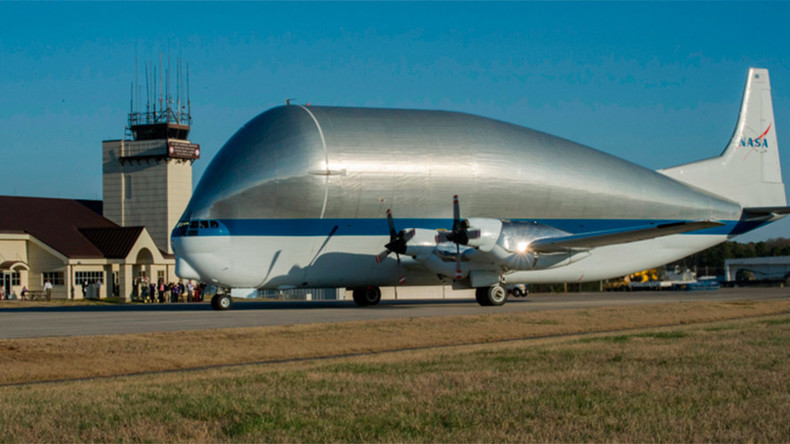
x=160 y=82
x=189 y=101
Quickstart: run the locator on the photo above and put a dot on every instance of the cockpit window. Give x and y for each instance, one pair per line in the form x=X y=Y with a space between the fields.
x=197 y=226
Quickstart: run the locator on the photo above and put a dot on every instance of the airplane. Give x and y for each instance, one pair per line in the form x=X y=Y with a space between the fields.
x=362 y=198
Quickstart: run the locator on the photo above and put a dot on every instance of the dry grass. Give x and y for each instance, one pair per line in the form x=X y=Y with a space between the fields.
x=55 y=358
x=719 y=382
x=57 y=303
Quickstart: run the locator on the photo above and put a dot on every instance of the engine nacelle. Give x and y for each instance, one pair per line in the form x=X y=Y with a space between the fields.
x=422 y=243
x=506 y=244
x=489 y=232
x=516 y=237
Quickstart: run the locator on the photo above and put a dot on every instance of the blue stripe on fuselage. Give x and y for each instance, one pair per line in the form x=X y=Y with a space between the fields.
x=379 y=227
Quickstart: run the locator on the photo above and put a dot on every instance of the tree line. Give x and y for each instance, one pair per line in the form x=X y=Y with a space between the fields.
x=711 y=261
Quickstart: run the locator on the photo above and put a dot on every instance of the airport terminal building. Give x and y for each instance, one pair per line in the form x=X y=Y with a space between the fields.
x=80 y=252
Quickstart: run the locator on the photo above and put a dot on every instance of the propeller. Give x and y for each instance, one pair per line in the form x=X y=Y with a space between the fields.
x=460 y=235
x=397 y=243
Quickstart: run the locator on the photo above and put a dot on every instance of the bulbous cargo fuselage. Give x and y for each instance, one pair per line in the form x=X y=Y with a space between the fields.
x=297 y=186
x=324 y=162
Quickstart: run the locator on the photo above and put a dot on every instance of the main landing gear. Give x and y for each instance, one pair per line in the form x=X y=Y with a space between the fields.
x=494 y=295
x=364 y=296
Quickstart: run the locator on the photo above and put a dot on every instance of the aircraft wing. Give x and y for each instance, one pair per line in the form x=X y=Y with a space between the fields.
x=584 y=241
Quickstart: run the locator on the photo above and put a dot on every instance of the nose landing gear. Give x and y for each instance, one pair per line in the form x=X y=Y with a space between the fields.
x=221 y=302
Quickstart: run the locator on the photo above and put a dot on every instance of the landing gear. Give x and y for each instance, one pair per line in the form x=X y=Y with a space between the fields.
x=364 y=296
x=221 y=302
x=494 y=295
x=519 y=290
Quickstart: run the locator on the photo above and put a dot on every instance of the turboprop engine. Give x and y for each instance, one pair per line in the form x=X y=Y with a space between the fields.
x=497 y=247
x=508 y=244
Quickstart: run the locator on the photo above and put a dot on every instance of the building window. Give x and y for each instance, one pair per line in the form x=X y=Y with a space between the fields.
x=127 y=186
x=55 y=277
x=160 y=275
x=14 y=277
x=142 y=275
x=80 y=277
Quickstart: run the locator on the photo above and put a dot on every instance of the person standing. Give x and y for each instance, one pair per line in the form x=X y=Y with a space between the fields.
x=190 y=291
x=48 y=289
x=161 y=291
x=174 y=292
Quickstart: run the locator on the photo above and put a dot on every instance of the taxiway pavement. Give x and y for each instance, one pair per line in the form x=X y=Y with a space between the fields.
x=136 y=318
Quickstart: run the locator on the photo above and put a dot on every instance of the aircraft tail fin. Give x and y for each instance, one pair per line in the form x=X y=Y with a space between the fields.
x=748 y=170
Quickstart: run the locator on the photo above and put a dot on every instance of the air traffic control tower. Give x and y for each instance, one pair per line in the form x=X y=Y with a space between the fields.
x=147 y=176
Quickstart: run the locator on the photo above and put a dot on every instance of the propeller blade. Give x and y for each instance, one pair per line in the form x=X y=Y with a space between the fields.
x=402 y=279
x=458 y=273
x=407 y=236
x=381 y=256
x=393 y=232
x=456 y=213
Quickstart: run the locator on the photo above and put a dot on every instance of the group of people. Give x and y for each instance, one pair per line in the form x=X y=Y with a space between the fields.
x=23 y=295
x=161 y=292
x=91 y=290
x=144 y=291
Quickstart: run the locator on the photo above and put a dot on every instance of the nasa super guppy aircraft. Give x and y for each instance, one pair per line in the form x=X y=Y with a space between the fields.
x=322 y=197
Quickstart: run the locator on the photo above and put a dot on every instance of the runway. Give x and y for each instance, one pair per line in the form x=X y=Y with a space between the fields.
x=119 y=319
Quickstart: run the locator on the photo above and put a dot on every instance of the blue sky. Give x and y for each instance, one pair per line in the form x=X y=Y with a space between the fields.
x=658 y=84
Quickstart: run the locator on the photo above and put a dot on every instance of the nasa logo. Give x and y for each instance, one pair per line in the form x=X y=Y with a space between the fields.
x=756 y=142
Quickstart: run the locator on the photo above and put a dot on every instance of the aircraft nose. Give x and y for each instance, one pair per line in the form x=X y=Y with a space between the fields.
x=185 y=271
x=196 y=244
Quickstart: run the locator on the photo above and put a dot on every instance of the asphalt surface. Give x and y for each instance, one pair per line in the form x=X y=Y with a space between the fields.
x=108 y=319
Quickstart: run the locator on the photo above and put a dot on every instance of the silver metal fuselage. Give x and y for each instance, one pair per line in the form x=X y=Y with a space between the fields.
x=297 y=197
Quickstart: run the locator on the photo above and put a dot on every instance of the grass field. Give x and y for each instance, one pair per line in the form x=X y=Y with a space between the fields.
x=713 y=372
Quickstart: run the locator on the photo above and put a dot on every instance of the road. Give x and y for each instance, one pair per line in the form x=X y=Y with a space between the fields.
x=119 y=319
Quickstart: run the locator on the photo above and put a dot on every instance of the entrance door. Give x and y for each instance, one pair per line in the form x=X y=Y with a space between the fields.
x=7 y=284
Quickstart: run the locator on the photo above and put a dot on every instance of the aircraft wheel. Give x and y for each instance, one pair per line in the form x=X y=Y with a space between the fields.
x=221 y=302
x=365 y=296
x=517 y=293
x=481 y=296
x=495 y=295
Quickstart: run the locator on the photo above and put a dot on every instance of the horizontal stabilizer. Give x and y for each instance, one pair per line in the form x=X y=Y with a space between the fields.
x=767 y=211
x=764 y=213
x=594 y=239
